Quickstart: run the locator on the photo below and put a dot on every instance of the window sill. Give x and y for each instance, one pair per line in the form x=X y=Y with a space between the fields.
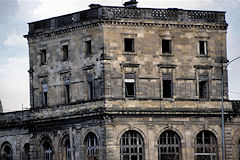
x=203 y=99
x=167 y=54
x=168 y=99
x=130 y=98
x=88 y=55
x=203 y=56
x=129 y=53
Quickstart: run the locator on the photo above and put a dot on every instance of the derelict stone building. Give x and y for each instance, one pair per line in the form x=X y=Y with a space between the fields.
x=125 y=83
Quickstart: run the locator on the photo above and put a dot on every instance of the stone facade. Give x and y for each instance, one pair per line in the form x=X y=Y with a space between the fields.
x=108 y=77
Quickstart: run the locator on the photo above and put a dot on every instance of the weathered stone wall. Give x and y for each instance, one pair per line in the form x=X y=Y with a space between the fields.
x=150 y=127
x=75 y=68
x=184 y=63
x=110 y=114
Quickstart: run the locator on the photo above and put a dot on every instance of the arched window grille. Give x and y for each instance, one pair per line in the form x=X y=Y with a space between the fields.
x=169 y=146
x=48 y=152
x=6 y=152
x=131 y=146
x=91 y=147
x=239 y=149
x=67 y=150
x=206 y=146
x=26 y=151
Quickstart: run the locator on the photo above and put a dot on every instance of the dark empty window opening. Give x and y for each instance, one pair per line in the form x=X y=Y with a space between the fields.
x=44 y=91
x=43 y=56
x=166 y=46
x=67 y=94
x=203 y=47
x=90 y=87
x=26 y=155
x=6 y=153
x=128 y=44
x=88 y=47
x=90 y=90
x=65 y=52
x=203 y=89
x=67 y=152
x=67 y=90
x=44 y=98
x=167 y=88
x=129 y=85
x=239 y=149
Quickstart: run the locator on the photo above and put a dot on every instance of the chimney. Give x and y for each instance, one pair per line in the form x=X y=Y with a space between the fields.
x=131 y=4
x=1 y=107
x=93 y=6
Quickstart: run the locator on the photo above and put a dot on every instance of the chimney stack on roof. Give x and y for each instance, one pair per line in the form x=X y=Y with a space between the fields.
x=1 y=108
x=131 y=4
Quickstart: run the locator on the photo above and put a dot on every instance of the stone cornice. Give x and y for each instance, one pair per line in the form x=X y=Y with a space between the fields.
x=162 y=24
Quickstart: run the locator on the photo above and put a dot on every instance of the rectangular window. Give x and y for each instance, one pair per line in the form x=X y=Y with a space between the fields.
x=167 y=86
x=67 y=90
x=88 y=47
x=44 y=91
x=202 y=47
x=90 y=87
x=166 y=46
x=65 y=52
x=128 y=44
x=43 y=55
x=129 y=85
x=203 y=88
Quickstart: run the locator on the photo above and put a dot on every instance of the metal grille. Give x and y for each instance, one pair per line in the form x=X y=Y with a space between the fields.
x=205 y=146
x=91 y=147
x=239 y=150
x=131 y=146
x=169 y=146
x=48 y=152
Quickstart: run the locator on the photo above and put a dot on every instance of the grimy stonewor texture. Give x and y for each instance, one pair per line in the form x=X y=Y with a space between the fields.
x=125 y=83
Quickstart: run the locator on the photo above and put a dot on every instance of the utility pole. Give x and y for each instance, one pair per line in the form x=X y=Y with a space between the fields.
x=222 y=107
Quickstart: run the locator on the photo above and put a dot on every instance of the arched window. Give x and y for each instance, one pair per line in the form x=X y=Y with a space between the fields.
x=26 y=151
x=206 y=146
x=48 y=152
x=131 y=146
x=6 y=151
x=66 y=150
x=239 y=149
x=91 y=147
x=169 y=146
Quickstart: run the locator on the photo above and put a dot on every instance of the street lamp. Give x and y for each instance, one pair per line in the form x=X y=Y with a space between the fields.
x=222 y=109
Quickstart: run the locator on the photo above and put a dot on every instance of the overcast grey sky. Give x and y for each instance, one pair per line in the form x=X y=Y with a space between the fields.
x=15 y=14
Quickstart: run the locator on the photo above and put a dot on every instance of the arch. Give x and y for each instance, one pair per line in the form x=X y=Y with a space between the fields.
x=128 y=129
x=46 y=147
x=132 y=146
x=206 y=146
x=65 y=149
x=238 y=149
x=169 y=146
x=6 y=151
x=172 y=129
x=91 y=147
x=26 y=152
